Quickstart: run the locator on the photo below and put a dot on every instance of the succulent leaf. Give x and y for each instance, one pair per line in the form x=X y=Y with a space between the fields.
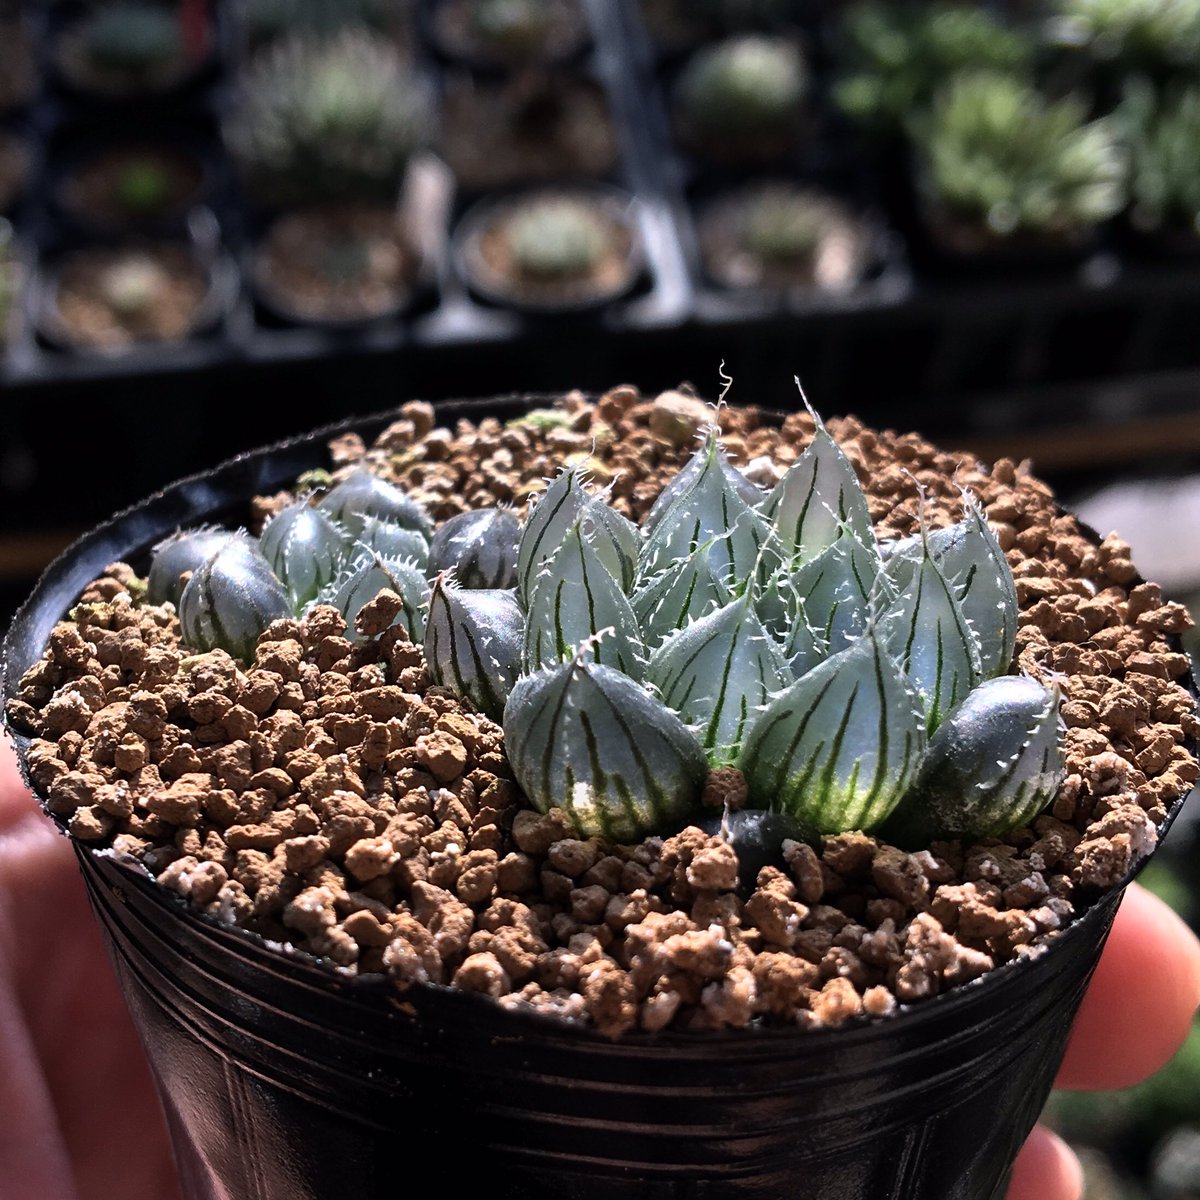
x=473 y=643
x=616 y=541
x=749 y=492
x=182 y=552
x=927 y=633
x=549 y=521
x=364 y=494
x=817 y=500
x=390 y=540
x=971 y=559
x=717 y=673
x=574 y=599
x=709 y=509
x=480 y=547
x=366 y=577
x=840 y=746
x=685 y=591
x=587 y=739
x=833 y=593
x=994 y=764
x=230 y=599
x=306 y=548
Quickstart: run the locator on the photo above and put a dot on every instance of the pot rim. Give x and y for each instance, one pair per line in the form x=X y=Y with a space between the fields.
x=176 y=498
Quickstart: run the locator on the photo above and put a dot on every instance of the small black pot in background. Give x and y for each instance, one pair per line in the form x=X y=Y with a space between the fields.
x=283 y=1079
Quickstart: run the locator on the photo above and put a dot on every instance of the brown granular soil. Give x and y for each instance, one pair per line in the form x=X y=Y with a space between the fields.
x=328 y=797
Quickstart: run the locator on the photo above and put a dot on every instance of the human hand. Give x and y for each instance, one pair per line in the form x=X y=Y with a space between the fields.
x=1135 y=1015
x=81 y=1120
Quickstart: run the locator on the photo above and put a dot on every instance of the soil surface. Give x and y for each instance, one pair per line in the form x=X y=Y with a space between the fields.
x=531 y=128
x=328 y=797
x=86 y=313
x=343 y=263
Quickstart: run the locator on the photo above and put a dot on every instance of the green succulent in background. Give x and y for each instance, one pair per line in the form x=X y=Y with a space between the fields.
x=131 y=39
x=898 y=55
x=143 y=187
x=1163 y=134
x=996 y=154
x=785 y=224
x=745 y=89
x=764 y=631
x=1149 y=34
x=328 y=119
x=556 y=238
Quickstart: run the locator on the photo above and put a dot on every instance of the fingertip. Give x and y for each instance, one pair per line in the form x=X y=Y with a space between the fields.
x=1046 y=1169
x=1142 y=999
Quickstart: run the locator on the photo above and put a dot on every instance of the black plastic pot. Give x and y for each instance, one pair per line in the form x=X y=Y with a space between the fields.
x=284 y=1080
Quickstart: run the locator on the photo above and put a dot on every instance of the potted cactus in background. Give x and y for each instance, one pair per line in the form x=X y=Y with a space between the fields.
x=552 y=250
x=112 y=298
x=780 y=236
x=128 y=48
x=742 y=100
x=547 y=807
x=1000 y=165
x=331 y=125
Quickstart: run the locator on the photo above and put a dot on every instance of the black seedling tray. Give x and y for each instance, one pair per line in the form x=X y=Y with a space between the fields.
x=1124 y=308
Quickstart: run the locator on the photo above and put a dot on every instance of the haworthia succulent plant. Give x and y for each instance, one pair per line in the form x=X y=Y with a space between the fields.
x=473 y=641
x=833 y=594
x=681 y=593
x=549 y=520
x=840 y=746
x=574 y=599
x=709 y=511
x=616 y=541
x=748 y=491
x=717 y=673
x=928 y=634
x=364 y=494
x=230 y=599
x=588 y=740
x=389 y=540
x=766 y=623
x=181 y=553
x=993 y=765
x=480 y=547
x=306 y=548
x=365 y=578
x=818 y=500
